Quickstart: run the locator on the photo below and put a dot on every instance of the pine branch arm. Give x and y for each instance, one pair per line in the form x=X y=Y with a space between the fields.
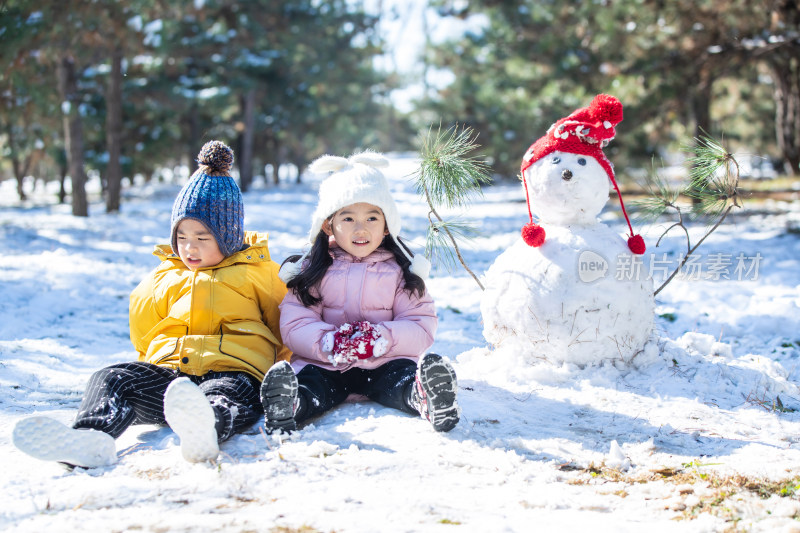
x=693 y=248
x=452 y=239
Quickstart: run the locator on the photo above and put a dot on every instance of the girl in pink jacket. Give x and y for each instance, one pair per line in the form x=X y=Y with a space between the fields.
x=357 y=316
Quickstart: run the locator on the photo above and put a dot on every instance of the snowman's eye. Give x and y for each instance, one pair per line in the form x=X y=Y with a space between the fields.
x=556 y=160
x=582 y=162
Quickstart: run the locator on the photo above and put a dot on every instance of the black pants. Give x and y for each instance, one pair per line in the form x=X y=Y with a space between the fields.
x=390 y=384
x=133 y=393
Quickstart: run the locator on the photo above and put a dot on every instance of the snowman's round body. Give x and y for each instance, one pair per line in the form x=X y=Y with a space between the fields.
x=581 y=297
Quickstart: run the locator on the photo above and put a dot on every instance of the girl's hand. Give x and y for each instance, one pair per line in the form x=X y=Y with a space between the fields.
x=352 y=342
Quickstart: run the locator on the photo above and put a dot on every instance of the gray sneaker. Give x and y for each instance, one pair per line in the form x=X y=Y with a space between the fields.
x=279 y=398
x=434 y=394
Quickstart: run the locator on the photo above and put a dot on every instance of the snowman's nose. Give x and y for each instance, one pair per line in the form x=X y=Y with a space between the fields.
x=566 y=174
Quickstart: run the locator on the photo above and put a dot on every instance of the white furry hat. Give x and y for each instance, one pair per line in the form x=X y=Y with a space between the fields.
x=354 y=180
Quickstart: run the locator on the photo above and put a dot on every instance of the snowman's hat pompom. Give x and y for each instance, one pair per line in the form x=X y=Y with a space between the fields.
x=606 y=108
x=533 y=234
x=636 y=244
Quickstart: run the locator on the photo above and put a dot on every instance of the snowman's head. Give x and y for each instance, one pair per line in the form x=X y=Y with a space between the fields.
x=565 y=172
x=566 y=188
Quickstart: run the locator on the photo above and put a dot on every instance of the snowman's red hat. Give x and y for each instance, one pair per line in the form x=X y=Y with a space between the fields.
x=586 y=132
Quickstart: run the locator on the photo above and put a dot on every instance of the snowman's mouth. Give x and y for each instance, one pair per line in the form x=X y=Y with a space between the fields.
x=566 y=174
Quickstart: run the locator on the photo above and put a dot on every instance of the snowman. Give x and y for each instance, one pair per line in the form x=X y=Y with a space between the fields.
x=570 y=290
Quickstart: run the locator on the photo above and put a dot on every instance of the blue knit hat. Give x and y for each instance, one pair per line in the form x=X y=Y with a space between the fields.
x=212 y=197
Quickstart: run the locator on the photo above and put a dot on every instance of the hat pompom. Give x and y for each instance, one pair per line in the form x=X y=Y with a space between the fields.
x=328 y=163
x=217 y=156
x=636 y=244
x=533 y=234
x=420 y=266
x=606 y=108
x=289 y=271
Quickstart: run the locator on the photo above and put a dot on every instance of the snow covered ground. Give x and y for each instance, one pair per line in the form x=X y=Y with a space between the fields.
x=703 y=434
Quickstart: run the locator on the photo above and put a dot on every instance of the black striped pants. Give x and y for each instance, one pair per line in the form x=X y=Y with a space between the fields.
x=133 y=393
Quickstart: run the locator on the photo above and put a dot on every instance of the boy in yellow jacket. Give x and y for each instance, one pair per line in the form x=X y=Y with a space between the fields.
x=205 y=324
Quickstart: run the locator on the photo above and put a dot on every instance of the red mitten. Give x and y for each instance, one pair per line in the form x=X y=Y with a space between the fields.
x=341 y=350
x=355 y=341
x=341 y=337
x=362 y=342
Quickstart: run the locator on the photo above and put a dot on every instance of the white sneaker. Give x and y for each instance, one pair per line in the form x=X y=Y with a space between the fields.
x=190 y=415
x=50 y=440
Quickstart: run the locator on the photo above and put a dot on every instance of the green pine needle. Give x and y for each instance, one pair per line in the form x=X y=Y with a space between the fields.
x=713 y=182
x=709 y=158
x=438 y=244
x=446 y=172
x=713 y=177
x=448 y=176
x=660 y=198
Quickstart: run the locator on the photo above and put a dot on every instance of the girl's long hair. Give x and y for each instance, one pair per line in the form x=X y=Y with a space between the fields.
x=306 y=284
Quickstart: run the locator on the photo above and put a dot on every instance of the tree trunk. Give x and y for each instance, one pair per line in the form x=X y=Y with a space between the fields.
x=300 y=164
x=786 y=76
x=114 y=132
x=62 y=178
x=701 y=106
x=701 y=111
x=73 y=133
x=246 y=155
x=194 y=145
x=20 y=170
x=274 y=158
x=20 y=189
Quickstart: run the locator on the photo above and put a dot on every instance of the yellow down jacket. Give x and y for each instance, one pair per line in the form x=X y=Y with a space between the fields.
x=222 y=318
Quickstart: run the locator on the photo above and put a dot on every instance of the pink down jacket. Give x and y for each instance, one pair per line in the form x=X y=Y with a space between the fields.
x=353 y=290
